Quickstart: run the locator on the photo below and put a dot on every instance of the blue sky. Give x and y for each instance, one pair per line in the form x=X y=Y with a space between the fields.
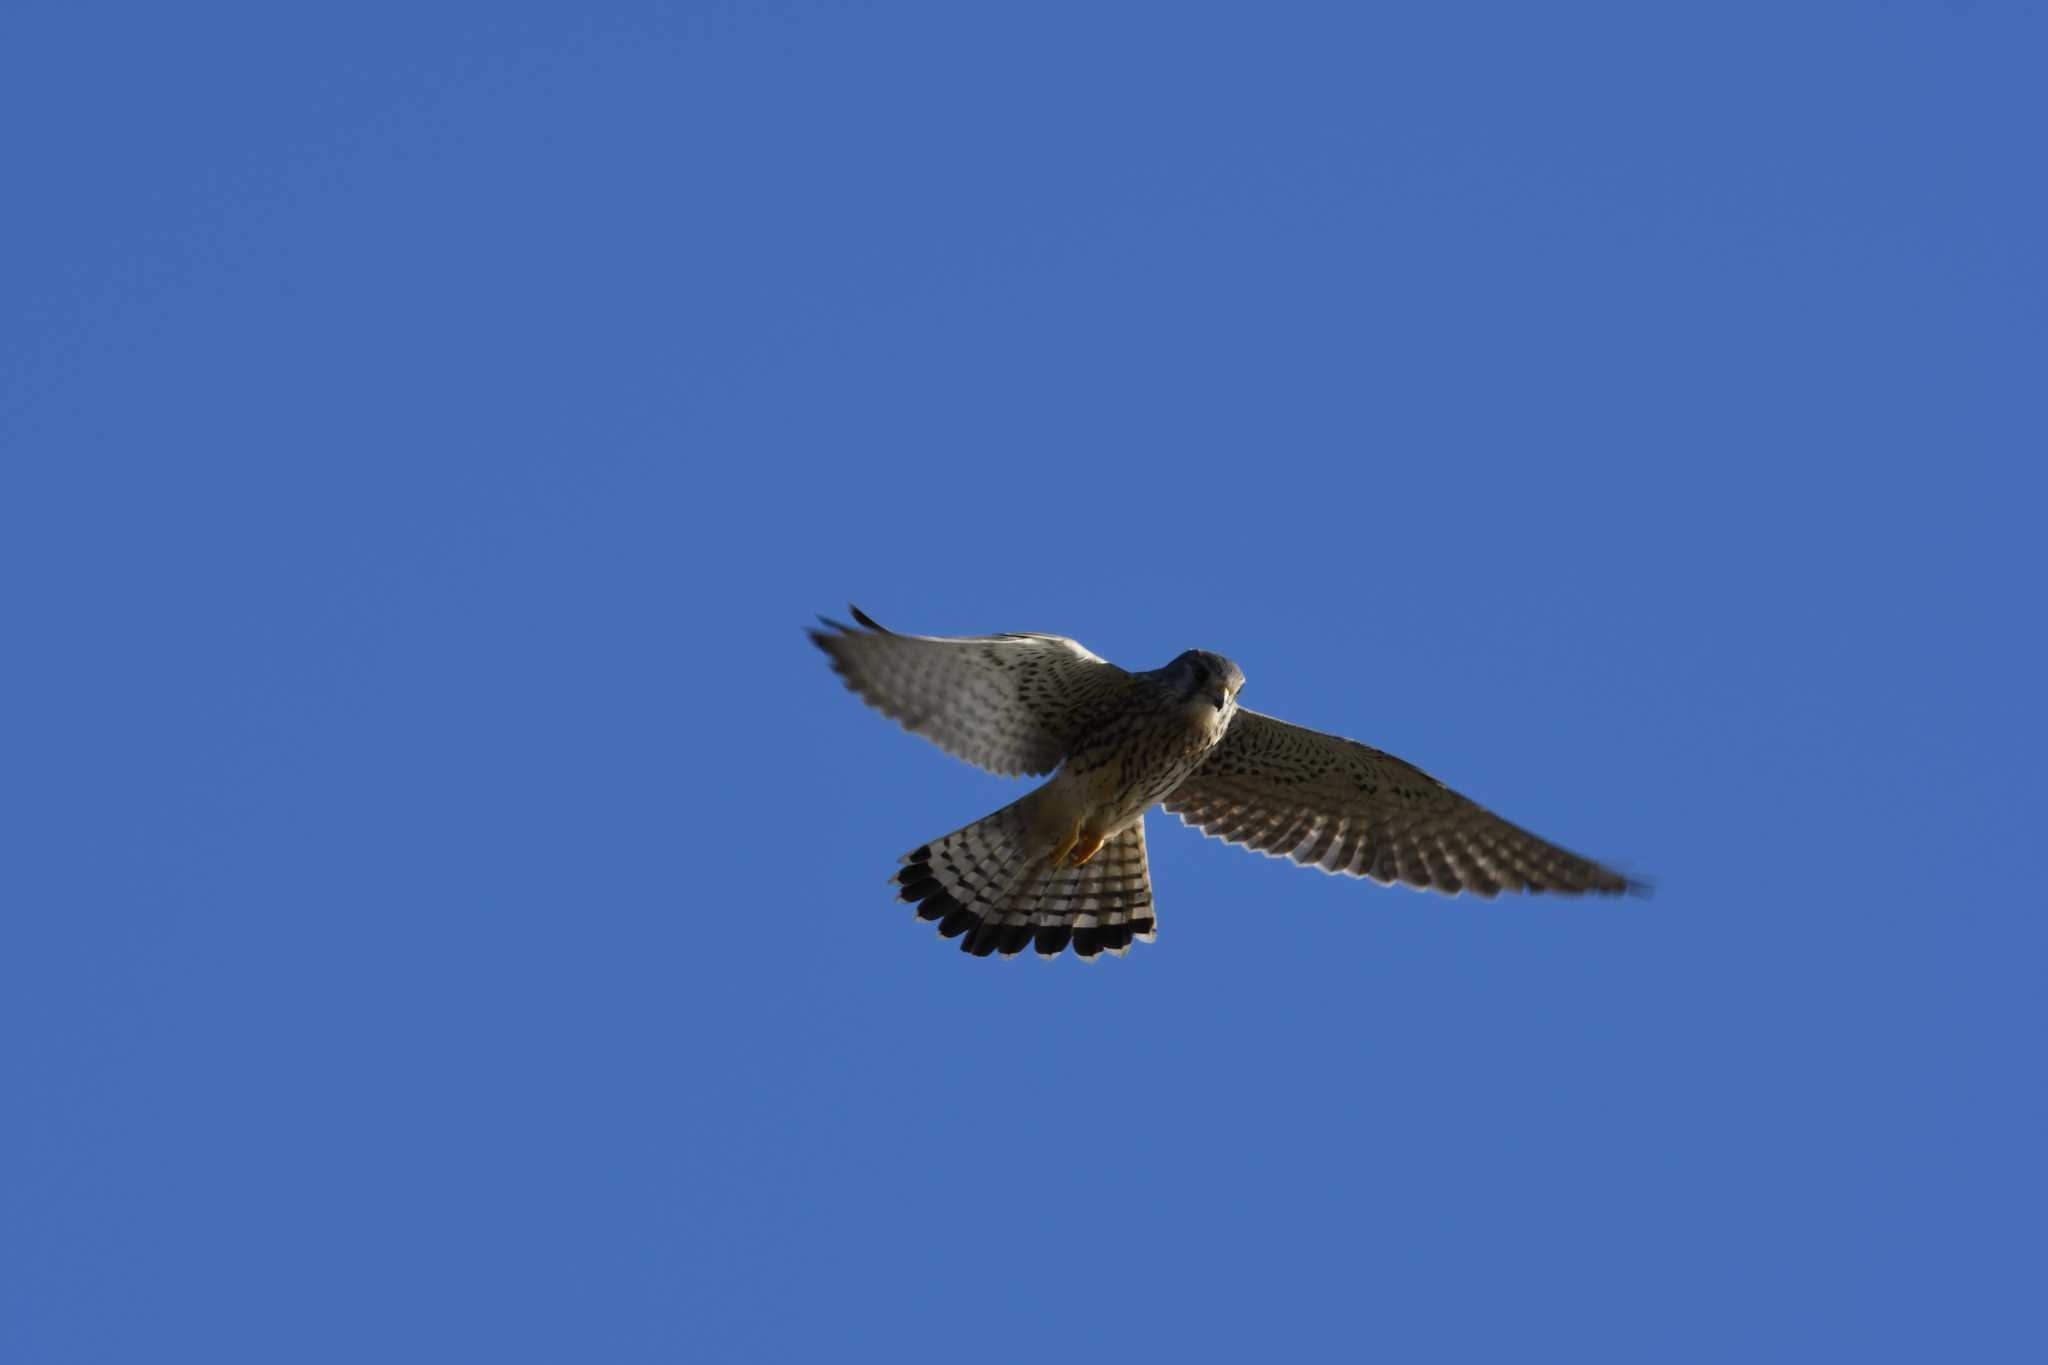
x=446 y=906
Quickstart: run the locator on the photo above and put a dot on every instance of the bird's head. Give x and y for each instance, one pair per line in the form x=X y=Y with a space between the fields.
x=1199 y=675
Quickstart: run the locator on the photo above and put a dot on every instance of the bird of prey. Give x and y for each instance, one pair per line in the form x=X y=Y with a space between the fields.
x=1066 y=864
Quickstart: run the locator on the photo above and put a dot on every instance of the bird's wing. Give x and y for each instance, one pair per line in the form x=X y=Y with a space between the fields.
x=1334 y=803
x=1008 y=703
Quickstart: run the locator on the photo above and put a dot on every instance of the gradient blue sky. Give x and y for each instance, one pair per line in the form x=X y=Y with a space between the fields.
x=445 y=906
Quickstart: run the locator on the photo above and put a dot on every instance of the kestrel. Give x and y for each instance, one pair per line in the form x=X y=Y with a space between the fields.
x=1067 y=862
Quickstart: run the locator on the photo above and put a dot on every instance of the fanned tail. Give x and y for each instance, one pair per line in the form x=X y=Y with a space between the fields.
x=992 y=887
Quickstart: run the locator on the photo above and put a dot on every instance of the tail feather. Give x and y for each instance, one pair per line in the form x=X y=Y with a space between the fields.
x=988 y=886
x=960 y=879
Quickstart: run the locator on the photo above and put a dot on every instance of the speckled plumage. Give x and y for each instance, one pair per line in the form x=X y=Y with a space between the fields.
x=1066 y=863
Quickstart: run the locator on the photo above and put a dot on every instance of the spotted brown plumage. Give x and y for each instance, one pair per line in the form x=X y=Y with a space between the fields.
x=1333 y=803
x=1065 y=865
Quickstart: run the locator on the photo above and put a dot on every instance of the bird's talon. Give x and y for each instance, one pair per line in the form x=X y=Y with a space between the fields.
x=1059 y=855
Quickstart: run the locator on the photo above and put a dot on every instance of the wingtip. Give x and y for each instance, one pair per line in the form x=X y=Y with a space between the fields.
x=838 y=627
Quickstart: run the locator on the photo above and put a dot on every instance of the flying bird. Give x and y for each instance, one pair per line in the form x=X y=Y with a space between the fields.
x=1066 y=863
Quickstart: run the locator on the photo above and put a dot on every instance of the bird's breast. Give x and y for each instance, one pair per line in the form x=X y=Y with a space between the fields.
x=1131 y=766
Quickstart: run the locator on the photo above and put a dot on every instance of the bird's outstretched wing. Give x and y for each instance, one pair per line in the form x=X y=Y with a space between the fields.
x=1008 y=703
x=1334 y=803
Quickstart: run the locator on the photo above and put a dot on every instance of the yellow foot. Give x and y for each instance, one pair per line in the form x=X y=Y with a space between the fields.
x=1059 y=855
x=1086 y=847
x=1077 y=846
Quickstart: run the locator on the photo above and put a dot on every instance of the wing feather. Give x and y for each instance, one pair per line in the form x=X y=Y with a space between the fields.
x=1330 y=802
x=1009 y=703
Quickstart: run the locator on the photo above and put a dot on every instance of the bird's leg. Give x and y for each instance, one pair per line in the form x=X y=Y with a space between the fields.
x=1086 y=846
x=1066 y=845
x=1067 y=820
x=1077 y=846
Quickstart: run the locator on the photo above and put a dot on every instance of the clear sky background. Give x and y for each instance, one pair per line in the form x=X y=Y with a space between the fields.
x=444 y=893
